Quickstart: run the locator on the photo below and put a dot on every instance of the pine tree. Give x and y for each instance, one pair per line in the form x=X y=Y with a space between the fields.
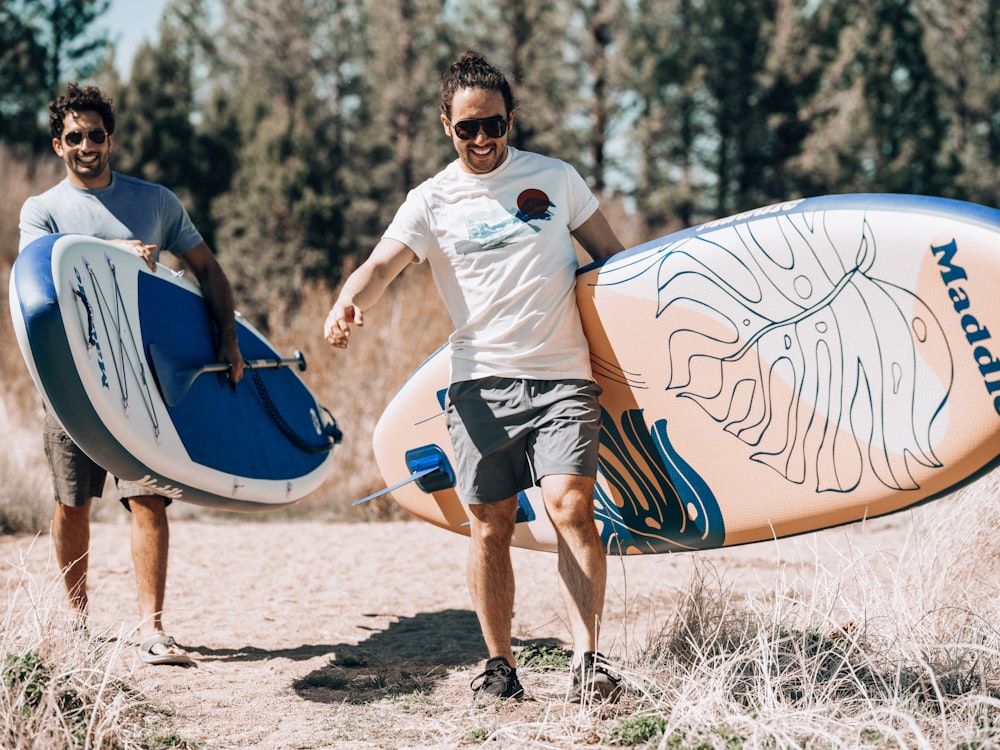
x=44 y=43
x=280 y=222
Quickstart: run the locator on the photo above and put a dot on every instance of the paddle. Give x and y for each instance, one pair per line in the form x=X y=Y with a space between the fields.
x=175 y=375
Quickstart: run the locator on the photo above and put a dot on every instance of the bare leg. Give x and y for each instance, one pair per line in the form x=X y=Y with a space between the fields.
x=583 y=567
x=71 y=539
x=150 y=545
x=491 y=575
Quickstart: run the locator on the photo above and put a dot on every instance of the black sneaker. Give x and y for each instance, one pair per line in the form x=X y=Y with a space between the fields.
x=498 y=681
x=592 y=680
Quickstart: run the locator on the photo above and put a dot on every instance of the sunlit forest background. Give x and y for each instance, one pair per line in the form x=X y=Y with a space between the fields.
x=292 y=130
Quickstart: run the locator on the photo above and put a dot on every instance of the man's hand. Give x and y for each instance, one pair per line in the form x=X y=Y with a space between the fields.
x=229 y=351
x=337 y=329
x=363 y=289
x=146 y=252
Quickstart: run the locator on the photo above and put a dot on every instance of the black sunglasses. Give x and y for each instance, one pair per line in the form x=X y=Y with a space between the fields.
x=494 y=127
x=96 y=136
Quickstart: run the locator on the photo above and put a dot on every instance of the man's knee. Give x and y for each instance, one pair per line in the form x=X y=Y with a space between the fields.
x=82 y=509
x=494 y=522
x=569 y=500
x=73 y=514
x=148 y=508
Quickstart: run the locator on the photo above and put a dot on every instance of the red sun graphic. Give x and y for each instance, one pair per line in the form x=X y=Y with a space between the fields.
x=533 y=203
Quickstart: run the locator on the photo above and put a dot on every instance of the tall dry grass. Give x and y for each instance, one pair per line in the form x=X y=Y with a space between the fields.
x=401 y=331
x=899 y=649
x=865 y=650
x=62 y=686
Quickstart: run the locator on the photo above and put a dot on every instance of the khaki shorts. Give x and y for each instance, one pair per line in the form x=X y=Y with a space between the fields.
x=75 y=476
x=508 y=433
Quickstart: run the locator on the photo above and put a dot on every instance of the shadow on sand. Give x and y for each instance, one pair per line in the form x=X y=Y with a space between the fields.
x=409 y=656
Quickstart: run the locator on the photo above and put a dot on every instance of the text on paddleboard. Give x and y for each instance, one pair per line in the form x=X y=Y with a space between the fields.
x=975 y=332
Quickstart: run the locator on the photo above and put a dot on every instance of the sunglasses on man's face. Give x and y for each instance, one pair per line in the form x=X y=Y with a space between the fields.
x=494 y=127
x=97 y=136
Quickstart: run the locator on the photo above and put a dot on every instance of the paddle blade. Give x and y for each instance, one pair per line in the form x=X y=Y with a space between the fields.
x=173 y=374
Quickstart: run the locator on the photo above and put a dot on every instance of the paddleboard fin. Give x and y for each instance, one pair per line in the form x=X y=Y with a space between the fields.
x=430 y=468
x=412 y=478
x=441 y=476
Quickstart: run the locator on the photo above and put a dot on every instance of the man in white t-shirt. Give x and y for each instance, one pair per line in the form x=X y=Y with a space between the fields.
x=497 y=228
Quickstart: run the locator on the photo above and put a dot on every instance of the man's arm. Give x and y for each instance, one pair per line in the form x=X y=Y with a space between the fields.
x=364 y=288
x=597 y=237
x=218 y=294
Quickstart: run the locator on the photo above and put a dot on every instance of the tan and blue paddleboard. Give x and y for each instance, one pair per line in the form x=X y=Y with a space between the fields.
x=801 y=366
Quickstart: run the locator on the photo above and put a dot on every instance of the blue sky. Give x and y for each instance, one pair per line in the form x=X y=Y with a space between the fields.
x=130 y=22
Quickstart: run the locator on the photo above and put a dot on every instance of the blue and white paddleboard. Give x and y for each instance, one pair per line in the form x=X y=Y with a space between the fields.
x=126 y=359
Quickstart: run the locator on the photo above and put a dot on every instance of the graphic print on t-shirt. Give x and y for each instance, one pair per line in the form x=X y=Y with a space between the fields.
x=493 y=232
x=534 y=204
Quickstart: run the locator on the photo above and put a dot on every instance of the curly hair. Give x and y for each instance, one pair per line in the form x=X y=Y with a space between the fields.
x=80 y=99
x=471 y=71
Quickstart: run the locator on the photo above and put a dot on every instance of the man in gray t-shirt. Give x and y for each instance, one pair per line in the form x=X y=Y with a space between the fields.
x=146 y=219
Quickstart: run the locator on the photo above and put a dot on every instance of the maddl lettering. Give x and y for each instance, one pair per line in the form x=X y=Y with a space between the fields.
x=976 y=333
x=148 y=482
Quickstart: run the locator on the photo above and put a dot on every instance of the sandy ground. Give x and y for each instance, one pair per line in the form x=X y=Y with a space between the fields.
x=312 y=634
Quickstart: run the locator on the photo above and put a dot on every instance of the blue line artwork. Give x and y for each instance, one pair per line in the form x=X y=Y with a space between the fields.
x=640 y=464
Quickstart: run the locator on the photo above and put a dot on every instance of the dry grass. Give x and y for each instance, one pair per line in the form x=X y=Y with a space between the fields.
x=21 y=178
x=889 y=650
x=62 y=686
x=400 y=332
x=786 y=673
x=857 y=660
x=25 y=489
x=870 y=652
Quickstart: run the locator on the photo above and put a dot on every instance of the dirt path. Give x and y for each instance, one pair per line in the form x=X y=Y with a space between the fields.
x=314 y=635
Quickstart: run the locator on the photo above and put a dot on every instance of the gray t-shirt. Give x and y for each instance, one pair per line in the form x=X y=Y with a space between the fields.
x=127 y=209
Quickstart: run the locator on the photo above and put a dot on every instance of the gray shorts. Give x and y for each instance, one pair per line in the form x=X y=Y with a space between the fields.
x=75 y=476
x=508 y=433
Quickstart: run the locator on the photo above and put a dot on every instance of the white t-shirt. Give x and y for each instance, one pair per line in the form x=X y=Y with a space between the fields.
x=501 y=254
